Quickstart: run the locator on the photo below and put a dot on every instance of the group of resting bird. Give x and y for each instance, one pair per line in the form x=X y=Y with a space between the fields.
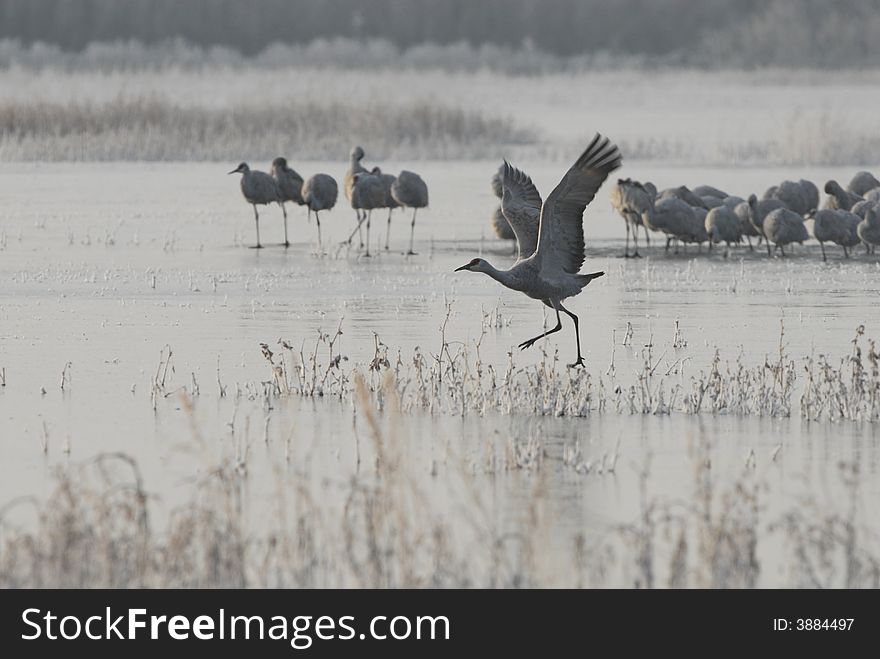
x=365 y=189
x=786 y=213
x=782 y=216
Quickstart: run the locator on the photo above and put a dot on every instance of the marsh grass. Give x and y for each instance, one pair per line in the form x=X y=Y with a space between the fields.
x=100 y=528
x=156 y=128
x=455 y=380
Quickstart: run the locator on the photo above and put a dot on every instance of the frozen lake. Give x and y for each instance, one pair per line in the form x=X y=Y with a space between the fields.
x=104 y=265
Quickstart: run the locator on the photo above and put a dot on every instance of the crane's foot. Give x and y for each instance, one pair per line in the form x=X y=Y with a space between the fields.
x=579 y=362
x=412 y=253
x=529 y=343
x=256 y=247
x=286 y=244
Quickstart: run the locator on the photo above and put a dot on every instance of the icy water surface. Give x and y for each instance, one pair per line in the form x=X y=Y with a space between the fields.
x=104 y=265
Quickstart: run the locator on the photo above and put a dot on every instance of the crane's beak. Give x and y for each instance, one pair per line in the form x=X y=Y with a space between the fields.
x=234 y=171
x=466 y=266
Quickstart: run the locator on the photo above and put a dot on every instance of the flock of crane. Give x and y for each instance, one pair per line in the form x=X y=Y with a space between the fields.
x=781 y=217
x=365 y=189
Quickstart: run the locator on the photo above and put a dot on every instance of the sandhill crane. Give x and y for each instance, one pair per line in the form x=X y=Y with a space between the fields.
x=550 y=272
x=410 y=191
x=862 y=207
x=390 y=203
x=319 y=193
x=677 y=219
x=289 y=185
x=861 y=182
x=682 y=192
x=709 y=191
x=367 y=193
x=758 y=211
x=811 y=194
x=630 y=199
x=501 y=226
x=783 y=227
x=793 y=196
x=873 y=195
x=839 y=198
x=257 y=188
x=497 y=188
x=723 y=225
x=354 y=167
x=740 y=208
x=869 y=230
x=710 y=202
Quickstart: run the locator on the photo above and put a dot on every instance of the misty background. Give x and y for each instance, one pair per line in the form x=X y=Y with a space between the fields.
x=728 y=33
x=680 y=81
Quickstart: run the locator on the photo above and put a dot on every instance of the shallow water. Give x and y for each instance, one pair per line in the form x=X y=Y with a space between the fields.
x=105 y=264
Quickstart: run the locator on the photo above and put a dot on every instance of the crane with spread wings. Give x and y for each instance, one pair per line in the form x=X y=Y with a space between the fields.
x=550 y=234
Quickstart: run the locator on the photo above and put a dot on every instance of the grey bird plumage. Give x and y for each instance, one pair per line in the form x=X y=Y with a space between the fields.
x=500 y=225
x=354 y=167
x=367 y=194
x=838 y=198
x=259 y=189
x=868 y=230
x=410 y=191
x=685 y=194
x=861 y=183
x=630 y=199
x=758 y=210
x=678 y=220
x=289 y=185
x=723 y=225
x=782 y=227
x=551 y=272
x=709 y=191
x=837 y=226
x=390 y=203
x=794 y=196
x=319 y=193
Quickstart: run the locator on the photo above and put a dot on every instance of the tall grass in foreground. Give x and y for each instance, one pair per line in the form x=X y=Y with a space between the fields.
x=97 y=528
x=152 y=128
x=386 y=527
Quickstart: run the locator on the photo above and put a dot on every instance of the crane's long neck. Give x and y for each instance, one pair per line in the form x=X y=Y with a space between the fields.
x=503 y=277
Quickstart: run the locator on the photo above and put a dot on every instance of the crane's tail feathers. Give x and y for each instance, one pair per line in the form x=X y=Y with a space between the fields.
x=586 y=279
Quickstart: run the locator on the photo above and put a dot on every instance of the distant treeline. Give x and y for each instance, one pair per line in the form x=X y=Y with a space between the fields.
x=790 y=33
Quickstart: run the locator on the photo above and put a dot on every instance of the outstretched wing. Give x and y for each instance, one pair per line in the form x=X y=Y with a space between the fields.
x=521 y=205
x=561 y=233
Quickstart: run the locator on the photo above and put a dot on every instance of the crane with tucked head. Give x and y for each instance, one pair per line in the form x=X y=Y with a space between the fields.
x=550 y=235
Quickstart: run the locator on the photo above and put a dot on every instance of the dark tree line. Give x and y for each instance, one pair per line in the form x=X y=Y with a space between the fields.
x=782 y=30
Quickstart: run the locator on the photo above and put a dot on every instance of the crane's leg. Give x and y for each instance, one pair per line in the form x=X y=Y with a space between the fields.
x=781 y=249
x=530 y=342
x=388 y=230
x=369 y=218
x=286 y=241
x=357 y=229
x=318 y=222
x=577 y=336
x=769 y=253
x=822 y=245
x=626 y=244
x=635 y=232
x=845 y=252
x=257 y=222
x=749 y=240
x=412 y=233
x=647 y=237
